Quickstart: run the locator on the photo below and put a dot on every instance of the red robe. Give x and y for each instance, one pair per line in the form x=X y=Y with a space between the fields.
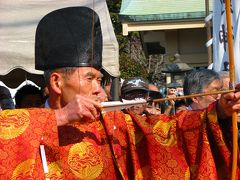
x=191 y=144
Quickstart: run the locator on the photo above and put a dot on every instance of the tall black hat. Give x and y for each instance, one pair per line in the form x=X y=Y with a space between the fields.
x=69 y=37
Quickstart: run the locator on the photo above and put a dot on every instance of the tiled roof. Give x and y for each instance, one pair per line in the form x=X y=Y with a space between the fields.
x=158 y=10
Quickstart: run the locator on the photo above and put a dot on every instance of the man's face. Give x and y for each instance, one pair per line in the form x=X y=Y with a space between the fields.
x=138 y=109
x=84 y=81
x=226 y=81
x=204 y=101
x=136 y=94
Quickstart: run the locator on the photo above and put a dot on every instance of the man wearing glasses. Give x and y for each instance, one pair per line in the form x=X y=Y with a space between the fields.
x=135 y=88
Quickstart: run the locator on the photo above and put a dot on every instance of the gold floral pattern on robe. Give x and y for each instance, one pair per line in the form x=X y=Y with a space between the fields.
x=15 y=124
x=190 y=145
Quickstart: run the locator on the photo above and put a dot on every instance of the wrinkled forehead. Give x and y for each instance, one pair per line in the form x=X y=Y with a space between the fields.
x=81 y=70
x=216 y=84
x=87 y=71
x=90 y=71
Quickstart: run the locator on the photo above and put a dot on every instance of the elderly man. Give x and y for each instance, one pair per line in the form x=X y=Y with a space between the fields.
x=77 y=142
x=68 y=49
x=202 y=81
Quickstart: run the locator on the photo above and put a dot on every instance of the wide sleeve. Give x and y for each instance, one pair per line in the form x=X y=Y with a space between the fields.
x=21 y=132
x=206 y=143
x=158 y=147
x=189 y=145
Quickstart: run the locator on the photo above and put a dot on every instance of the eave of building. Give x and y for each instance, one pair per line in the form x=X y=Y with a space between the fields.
x=162 y=22
x=160 y=25
x=147 y=15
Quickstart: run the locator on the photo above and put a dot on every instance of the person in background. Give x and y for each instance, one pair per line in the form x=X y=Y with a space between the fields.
x=174 y=89
x=201 y=81
x=29 y=96
x=6 y=101
x=135 y=88
x=45 y=93
x=153 y=87
x=180 y=105
x=154 y=107
x=107 y=89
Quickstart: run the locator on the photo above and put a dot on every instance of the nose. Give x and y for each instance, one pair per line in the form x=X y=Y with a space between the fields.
x=96 y=87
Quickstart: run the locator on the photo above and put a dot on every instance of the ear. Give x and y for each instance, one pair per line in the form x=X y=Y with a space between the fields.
x=195 y=100
x=56 y=82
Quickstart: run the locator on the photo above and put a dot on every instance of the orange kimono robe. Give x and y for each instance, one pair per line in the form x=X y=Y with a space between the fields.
x=74 y=151
x=190 y=145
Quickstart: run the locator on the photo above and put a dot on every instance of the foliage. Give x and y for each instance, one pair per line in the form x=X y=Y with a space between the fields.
x=131 y=55
x=114 y=9
x=131 y=68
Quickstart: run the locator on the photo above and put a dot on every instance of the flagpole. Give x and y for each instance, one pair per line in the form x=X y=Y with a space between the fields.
x=232 y=81
x=209 y=36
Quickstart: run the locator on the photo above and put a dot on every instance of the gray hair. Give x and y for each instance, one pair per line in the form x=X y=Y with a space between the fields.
x=66 y=71
x=197 y=80
x=223 y=74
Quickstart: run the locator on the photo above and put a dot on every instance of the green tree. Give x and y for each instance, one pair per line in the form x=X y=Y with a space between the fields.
x=132 y=59
x=130 y=68
x=129 y=57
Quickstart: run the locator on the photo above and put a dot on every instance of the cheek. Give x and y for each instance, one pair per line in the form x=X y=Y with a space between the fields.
x=68 y=94
x=70 y=90
x=210 y=99
x=85 y=87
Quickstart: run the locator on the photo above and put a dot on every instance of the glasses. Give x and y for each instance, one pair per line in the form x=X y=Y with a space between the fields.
x=135 y=95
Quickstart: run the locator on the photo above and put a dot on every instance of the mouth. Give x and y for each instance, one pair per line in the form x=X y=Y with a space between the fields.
x=136 y=107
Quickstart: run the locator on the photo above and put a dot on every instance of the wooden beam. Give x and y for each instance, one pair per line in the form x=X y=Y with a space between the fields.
x=129 y=27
